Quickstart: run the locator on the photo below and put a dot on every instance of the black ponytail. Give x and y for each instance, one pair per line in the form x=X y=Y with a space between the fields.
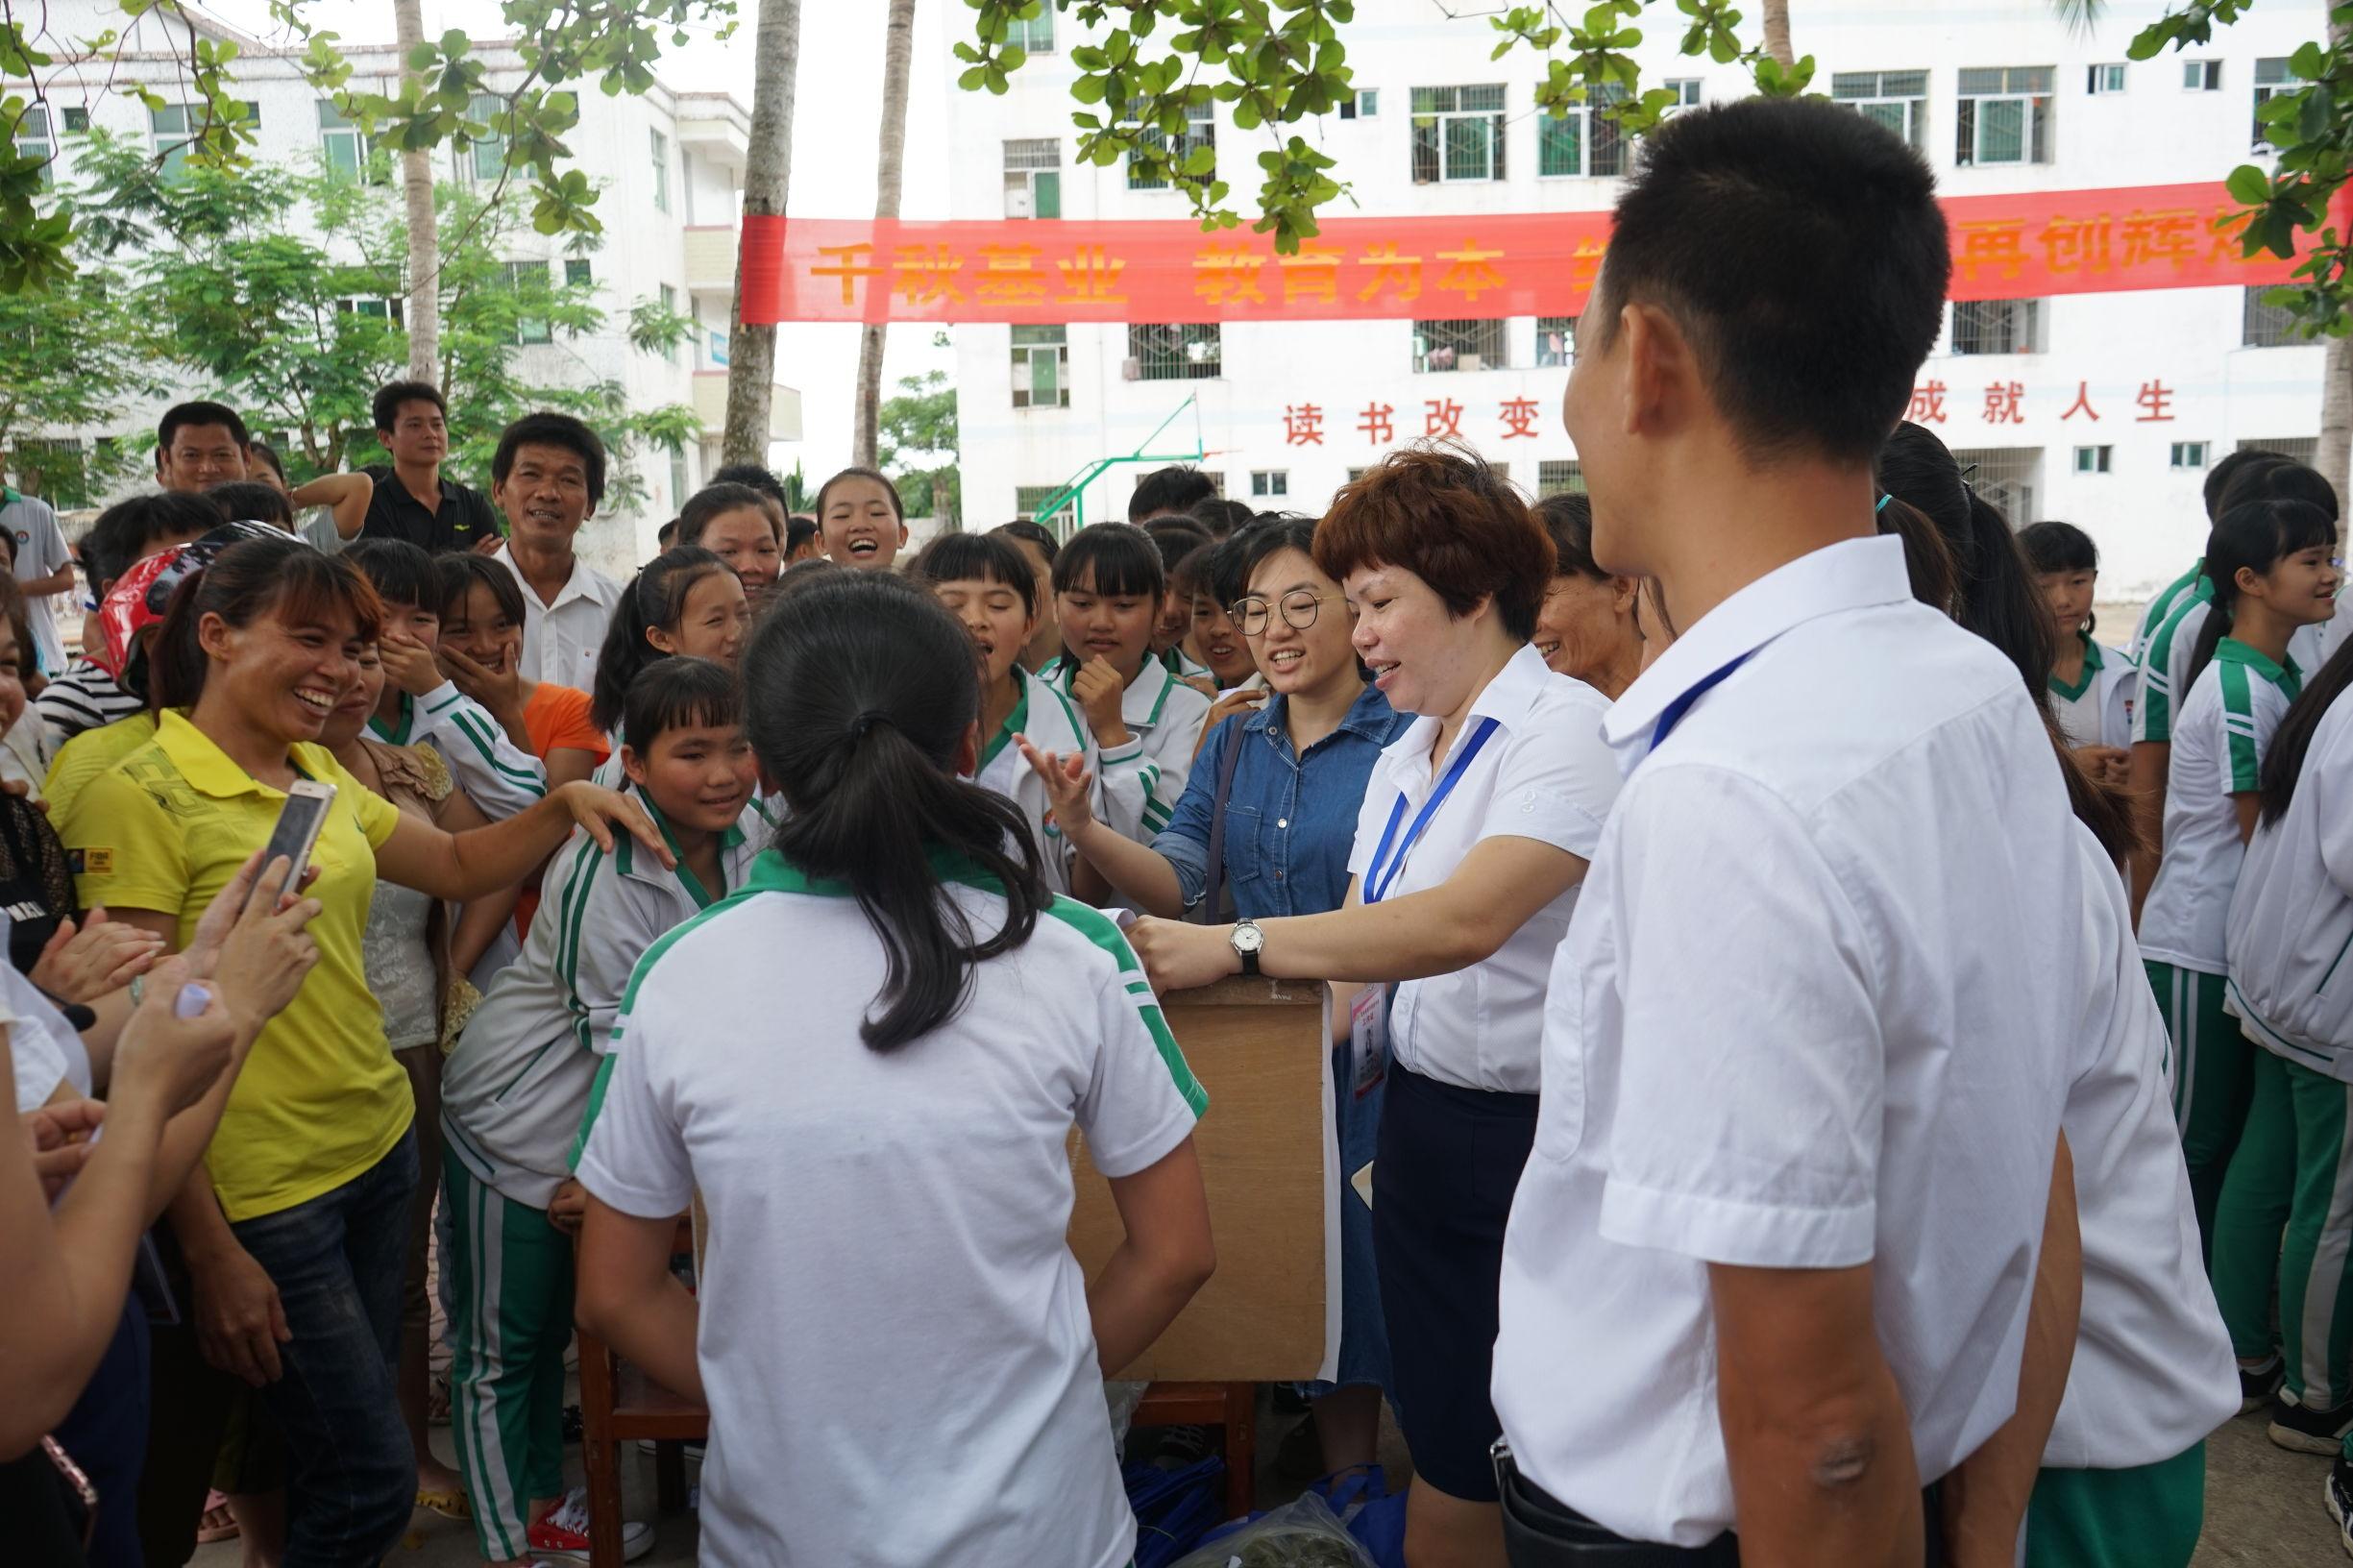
x=2284 y=763
x=2256 y=535
x=1993 y=595
x=859 y=693
x=656 y=597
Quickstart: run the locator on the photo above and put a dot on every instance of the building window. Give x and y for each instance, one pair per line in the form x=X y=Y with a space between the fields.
x=342 y=145
x=2004 y=115
x=530 y=280
x=1269 y=481
x=1686 y=91
x=1041 y=367
x=1200 y=131
x=2005 y=476
x=1896 y=99
x=2201 y=76
x=1458 y=133
x=78 y=123
x=1458 y=344
x=677 y=476
x=1036 y=36
x=2104 y=80
x=2092 y=459
x=1555 y=341
x=1582 y=140
x=1363 y=104
x=1997 y=327
x=1559 y=477
x=2300 y=448
x=1028 y=498
x=1033 y=178
x=670 y=306
x=168 y=127
x=374 y=308
x=577 y=272
x=2264 y=326
x=33 y=141
x=1173 y=351
x=2189 y=454
x=2272 y=79
x=486 y=156
x=661 y=171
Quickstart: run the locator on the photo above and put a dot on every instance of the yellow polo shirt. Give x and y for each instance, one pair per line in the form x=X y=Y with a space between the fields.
x=321 y=1099
x=87 y=755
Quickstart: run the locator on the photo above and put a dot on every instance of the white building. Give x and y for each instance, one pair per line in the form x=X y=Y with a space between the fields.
x=670 y=164
x=1999 y=96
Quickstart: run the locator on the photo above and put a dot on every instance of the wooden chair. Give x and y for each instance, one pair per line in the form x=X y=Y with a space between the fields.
x=1232 y=1408
x=619 y=1404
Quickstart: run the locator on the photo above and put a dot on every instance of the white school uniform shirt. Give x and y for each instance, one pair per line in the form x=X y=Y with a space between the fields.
x=2291 y=917
x=560 y=641
x=2165 y=672
x=1817 y=1008
x=1051 y=722
x=2219 y=738
x=2097 y=709
x=1143 y=778
x=497 y=774
x=895 y=1335
x=2161 y=608
x=40 y=552
x=1544 y=774
x=518 y=1085
x=2153 y=1370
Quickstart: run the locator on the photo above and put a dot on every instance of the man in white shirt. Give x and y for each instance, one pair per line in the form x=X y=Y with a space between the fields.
x=548 y=476
x=1769 y=1265
x=44 y=570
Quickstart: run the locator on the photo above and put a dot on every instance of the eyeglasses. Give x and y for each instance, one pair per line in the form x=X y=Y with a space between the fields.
x=1300 y=607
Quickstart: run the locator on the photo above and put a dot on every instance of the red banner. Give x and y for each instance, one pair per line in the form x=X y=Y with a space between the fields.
x=1051 y=271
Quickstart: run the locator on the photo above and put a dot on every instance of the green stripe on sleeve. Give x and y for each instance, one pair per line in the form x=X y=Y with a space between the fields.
x=2239 y=727
x=1098 y=928
x=473 y=730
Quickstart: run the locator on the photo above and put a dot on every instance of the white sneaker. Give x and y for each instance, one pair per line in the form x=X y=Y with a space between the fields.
x=564 y=1532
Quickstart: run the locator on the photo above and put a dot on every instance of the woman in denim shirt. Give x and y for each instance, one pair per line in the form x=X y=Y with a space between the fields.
x=1290 y=819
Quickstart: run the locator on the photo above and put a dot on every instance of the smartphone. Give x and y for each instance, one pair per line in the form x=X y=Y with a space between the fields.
x=299 y=821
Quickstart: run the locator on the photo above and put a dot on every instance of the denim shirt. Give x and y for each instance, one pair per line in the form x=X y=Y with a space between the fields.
x=1290 y=821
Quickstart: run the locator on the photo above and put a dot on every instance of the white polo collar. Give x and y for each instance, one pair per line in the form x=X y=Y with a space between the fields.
x=1851 y=575
x=1505 y=698
x=585 y=582
x=1141 y=702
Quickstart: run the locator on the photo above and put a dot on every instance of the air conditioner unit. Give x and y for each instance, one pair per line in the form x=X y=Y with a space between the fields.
x=1130 y=370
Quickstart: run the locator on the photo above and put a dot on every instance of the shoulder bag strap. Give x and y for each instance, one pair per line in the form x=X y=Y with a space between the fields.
x=1206 y=913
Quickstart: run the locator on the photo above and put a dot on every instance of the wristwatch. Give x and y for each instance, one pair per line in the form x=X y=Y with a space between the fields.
x=1248 y=942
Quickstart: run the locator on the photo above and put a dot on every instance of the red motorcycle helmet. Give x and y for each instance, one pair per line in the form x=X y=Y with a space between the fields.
x=142 y=594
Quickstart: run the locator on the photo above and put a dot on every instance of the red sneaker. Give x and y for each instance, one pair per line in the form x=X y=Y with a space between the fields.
x=562 y=1532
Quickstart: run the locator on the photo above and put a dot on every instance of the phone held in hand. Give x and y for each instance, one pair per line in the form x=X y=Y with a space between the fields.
x=297 y=833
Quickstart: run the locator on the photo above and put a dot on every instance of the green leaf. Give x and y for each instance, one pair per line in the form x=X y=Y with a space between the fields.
x=2248 y=185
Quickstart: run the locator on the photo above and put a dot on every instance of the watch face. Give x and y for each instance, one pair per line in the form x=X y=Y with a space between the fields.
x=1248 y=939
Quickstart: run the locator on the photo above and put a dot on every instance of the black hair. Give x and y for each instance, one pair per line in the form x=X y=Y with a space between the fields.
x=545 y=429
x=1222 y=577
x=2218 y=477
x=1269 y=538
x=1927 y=561
x=1800 y=251
x=129 y=529
x=756 y=477
x=2257 y=535
x=2284 y=763
x=667 y=534
x=263 y=450
x=181 y=415
x=983 y=557
x=252 y=501
x=800 y=575
x=1188 y=576
x=1175 y=538
x=279 y=575
x=2284 y=480
x=858 y=702
x=1569 y=520
x=656 y=597
x=1994 y=595
x=1037 y=533
x=387 y=405
x=678 y=693
x=2058 y=547
x=1118 y=559
x=458 y=573
x=1173 y=489
x=898 y=507
x=716 y=500
x=403 y=572
x=1219 y=516
x=798 y=531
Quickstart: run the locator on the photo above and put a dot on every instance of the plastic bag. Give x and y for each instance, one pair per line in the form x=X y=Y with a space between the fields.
x=1302 y=1535
x=1122 y=1398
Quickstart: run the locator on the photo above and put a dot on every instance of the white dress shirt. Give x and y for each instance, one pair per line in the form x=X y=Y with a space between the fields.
x=1817 y=1008
x=1545 y=774
x=560 y=641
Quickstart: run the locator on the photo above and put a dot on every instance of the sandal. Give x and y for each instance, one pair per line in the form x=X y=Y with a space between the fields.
x=451 y=1503
x=438 y=1402
x=217 y=1523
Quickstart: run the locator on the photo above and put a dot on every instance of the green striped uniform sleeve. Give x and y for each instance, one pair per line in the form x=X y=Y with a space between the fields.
x=477 y=733
x=2245 y=764
x=1099 y=929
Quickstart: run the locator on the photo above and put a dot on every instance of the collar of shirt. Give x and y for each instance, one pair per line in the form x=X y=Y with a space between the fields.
x=585 y=582
x=731 y=851
x=772 y=873
x=2285 y=675
x=1369 y=716
x=1853 y=573
x=1505 y=700
x=209 y=770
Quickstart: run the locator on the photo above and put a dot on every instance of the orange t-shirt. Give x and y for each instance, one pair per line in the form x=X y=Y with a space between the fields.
x=556 y=716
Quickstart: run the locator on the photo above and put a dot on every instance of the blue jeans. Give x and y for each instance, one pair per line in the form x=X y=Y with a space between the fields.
x=337 y=1261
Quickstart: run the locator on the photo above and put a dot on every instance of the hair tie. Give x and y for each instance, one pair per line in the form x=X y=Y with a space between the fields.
x=867 y=720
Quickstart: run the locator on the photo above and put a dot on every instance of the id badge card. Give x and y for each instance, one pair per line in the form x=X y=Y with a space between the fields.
x=1368 y=1041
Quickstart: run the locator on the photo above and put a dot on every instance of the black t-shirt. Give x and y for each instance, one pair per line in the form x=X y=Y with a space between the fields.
x=464 y=517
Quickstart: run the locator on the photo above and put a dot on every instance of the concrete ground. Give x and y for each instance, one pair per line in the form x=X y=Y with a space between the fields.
x=2263 y=1507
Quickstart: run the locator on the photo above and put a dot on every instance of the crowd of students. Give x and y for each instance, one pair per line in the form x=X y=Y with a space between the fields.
x=1832 y=1063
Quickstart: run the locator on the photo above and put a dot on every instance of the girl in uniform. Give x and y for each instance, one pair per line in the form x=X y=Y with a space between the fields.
x=684 y=601
x=521 y=1078
x=2274 y=570
x=986 y=585
x=741 y=526
x=481 y=643
x=1477 y=821
x=1109 y=591
x=861 y=520
x=2092 y=687
x=856 y=1195
x=1212 y=642
x=1038 y=546
x=1589 y=629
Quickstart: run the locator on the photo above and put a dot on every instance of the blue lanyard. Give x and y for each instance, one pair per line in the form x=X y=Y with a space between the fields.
x=1673 y=715
x=1376 y=885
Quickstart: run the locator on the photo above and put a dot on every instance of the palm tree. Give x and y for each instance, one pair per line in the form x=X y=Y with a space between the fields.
x=898 y=54
x=767 y=173
x=424 y=237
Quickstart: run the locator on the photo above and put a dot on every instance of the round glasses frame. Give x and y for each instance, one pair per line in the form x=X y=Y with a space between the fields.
x=1299 y=607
